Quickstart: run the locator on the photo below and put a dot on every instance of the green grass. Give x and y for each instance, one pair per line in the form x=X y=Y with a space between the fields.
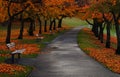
x=86 y=41
x=73 y=22
x=112 y=31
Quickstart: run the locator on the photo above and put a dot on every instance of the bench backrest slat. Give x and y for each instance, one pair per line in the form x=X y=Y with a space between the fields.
x=11 y=45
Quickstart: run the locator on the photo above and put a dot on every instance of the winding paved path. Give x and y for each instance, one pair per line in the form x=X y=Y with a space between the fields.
x=67 y=60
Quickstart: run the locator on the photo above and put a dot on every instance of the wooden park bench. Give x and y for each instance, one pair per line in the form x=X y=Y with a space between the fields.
x=39 y=37
x=16 y=51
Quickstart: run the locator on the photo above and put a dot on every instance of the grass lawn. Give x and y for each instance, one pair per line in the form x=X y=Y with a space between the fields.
x=85 y=40
x=73 y=22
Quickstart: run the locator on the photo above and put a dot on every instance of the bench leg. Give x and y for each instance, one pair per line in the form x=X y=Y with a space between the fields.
x=19 y=56
x=12 y=58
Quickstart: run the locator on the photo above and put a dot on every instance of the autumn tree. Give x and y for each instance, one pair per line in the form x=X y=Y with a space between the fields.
x=12 y=9
x=59 y=9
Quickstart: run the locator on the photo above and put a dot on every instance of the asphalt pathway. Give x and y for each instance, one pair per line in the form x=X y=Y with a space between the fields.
x=66 y=59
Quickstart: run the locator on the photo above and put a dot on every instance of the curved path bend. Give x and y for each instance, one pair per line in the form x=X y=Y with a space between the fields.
x=66 y=59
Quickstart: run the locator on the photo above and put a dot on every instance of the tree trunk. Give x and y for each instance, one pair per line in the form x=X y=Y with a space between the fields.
x=54 y=27
x=40 y=25
x=95 y=27
x=96 y=30
x=31 y=29
x=51 y=23
x=45 y=26
x=60 y=23
x=9 y=31
x=9 y=25
x=117 y=32
x=101 y=32
x=118 y=37
x=21 y=29
x=108 y=35
x=34 y=25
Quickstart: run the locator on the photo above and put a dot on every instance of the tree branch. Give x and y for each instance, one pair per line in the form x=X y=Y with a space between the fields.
x=89 y=22
x=21 y=11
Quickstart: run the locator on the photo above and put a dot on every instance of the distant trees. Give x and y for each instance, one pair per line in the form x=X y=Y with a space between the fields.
x=47 y=10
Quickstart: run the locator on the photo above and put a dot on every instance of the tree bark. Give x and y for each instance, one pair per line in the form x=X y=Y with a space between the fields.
x=34 y=25
x=108 y=35
x=60 y=23
x=95 y=27
x=9 y=25
x=45 y=26
x=117 y=32
x=40 y=25
x=31 y=28
x=54 y=26
x=101 y=32
x=22 y=28
x=51 y=24
x=9 y=31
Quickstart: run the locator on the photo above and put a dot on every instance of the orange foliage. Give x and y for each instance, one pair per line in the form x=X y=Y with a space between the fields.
x=30 y=49
x=11 y=69
x=107 y=57
x=104 y=55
